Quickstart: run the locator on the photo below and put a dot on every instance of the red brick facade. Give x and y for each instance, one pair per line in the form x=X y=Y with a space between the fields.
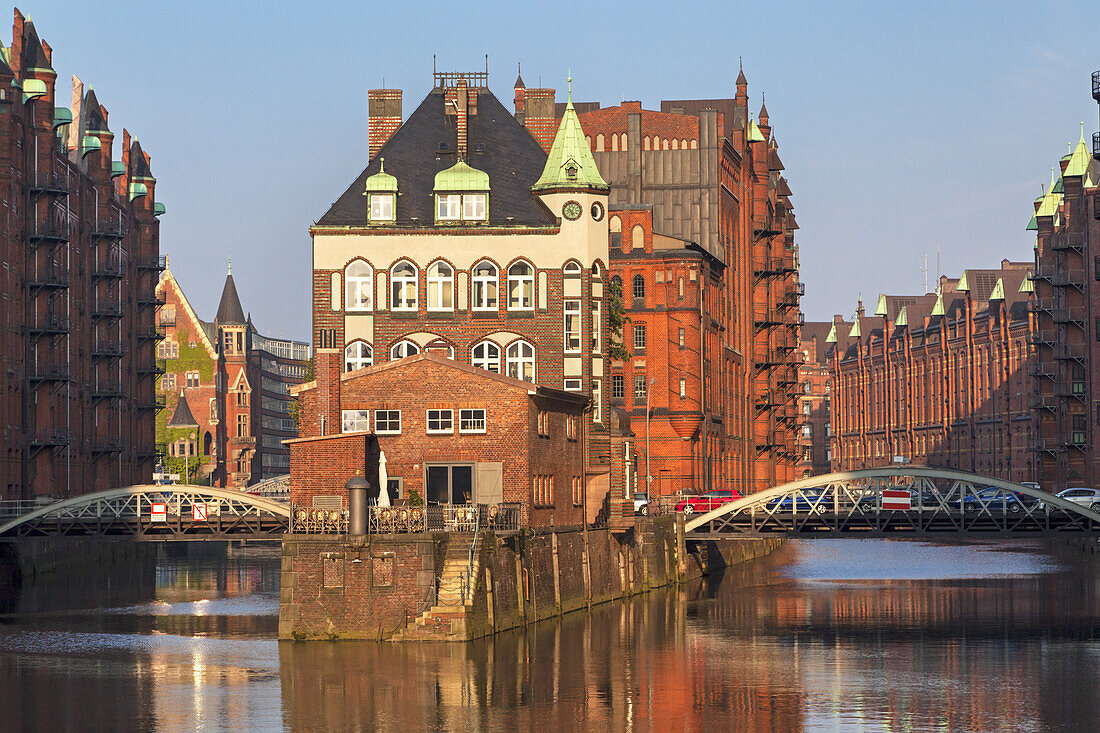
x=530 y=435
x=80 y=250
x=940 y=379
x=814 y=401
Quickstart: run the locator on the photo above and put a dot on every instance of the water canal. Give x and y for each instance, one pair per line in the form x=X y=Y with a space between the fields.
x=869 y=635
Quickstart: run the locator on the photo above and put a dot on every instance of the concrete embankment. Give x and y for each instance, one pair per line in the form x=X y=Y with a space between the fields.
x=414 y=587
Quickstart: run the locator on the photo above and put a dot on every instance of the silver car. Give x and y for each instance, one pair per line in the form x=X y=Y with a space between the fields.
x=1088 y=498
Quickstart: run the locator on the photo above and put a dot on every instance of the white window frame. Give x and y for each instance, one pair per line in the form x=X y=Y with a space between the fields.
x=571 y=269
x=402 y=349
x=521 y=288
x=448 y=206
x=379 y=430
x=354 y=421
x=518 y=364
x=475 y=207
x=358 y=287
x=468 y=417
x=486 y=287
x=571 y=332
x=572 y=384
x=444 y=420
x=402 y=286
x=484 y=360
x=597 y=328
x=441 y=287
x=381 y=207
x=640 y=328
x=363 y=360
x=597 y=401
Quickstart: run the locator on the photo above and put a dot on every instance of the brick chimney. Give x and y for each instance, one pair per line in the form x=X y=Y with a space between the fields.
x=383 y=117
x=540 y=116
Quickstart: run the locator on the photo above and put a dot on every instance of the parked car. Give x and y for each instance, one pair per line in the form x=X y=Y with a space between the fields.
x=1089 y=498
x=641 y=503
x=810 y=500
x=707 y=502
x=997 y=500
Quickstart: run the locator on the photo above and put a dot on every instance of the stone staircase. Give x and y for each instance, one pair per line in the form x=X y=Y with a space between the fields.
x=446 y=619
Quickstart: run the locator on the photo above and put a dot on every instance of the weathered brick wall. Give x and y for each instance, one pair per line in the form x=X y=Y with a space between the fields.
x=322 y=466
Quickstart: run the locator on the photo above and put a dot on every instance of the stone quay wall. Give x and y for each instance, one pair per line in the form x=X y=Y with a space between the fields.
x=384 y=587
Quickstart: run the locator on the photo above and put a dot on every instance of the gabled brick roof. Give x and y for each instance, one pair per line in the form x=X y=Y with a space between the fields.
x=612 y=120
x=498 y=145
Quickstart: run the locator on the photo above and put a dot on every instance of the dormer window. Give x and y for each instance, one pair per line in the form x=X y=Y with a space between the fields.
x=461 y=194
x=448 y=207
x=381 y=207
x=571 y=171
x=473 y=207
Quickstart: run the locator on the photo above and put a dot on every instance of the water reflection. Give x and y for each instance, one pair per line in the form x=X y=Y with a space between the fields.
x=822 y=635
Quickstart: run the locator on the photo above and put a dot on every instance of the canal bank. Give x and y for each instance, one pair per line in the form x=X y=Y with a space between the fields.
x=415 y=587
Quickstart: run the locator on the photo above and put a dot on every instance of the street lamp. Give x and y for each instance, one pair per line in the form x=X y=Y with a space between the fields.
x=648 y=475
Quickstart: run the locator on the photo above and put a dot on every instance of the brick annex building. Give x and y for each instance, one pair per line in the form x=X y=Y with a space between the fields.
x=464 y=239
x=236 y=385
x=702 y=241
x=80 y=254
x=815 y=393
x=939 y=379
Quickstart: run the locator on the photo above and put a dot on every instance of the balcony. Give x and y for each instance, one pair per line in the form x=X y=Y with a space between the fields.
x=1070 y=242
x=109 y=391
x=769 y=440
x=109 y=230
x=156 y=368
x=1070 y=314
x=45 y=373
x=767 y=267
x=51 y=231
x=108 y=268
x=1043 y=371
x=107 y=350
x=155 y=404
x=150 y=333
x=242 y=440
x=151 y=263
x=1096 y=85
x=1069 y=352
x=104 y=311
x=1048 y=337
x=1069 y=278
x=767 y=318
x=54 y=183
x=768 y=401
x=1072 y=391
x=1049 y=445
x=101 y=446
x=1096 y=145
x=767 y=227
x=48 y=323
x=50 y=278
x=1043 y=273
x=148 y=299
x=54 y=438
x=1041 y=305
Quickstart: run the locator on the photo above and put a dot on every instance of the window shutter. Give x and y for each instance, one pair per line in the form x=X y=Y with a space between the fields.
x=489 y=483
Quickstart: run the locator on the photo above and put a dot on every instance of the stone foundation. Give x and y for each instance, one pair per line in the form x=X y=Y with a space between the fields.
x=406 y=587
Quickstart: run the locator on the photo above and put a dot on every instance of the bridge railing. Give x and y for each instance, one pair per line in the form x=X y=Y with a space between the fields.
x=504 y=517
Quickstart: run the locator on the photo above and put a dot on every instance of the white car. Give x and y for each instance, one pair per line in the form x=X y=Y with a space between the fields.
x=1088 y=498
x=641 y=504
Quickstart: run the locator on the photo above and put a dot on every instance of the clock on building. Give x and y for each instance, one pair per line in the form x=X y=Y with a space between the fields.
x=572 y=210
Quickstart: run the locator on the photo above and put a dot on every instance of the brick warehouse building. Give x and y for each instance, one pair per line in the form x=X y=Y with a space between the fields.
x=464 y=238
x=939 y=379
x=236 y=383
x=815 y=388
x=1066 y=223
x=80 y=255
x=703 y=180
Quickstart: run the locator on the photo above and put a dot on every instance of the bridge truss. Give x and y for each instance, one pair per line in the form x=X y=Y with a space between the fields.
x=158 y=513
x=942 y=502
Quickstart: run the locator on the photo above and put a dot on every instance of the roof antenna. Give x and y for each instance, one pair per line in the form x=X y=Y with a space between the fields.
x=486 y=65
x=229 y=265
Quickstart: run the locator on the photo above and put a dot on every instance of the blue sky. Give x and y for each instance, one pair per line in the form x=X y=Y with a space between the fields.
x=902 y=127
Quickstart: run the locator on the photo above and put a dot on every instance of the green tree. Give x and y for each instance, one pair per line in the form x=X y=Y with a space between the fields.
x=616 y=320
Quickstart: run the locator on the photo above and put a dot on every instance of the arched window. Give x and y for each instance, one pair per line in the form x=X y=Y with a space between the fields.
x=207 y=443
x=403 y=287
x=485 y=286
x=675 y=144
x=357 y=355
x=637 y=237
x=358 y=287
x=595 y=270
x=599 y=142
x=404 y=348
x=521 y=287
x=521 y=361
x=486 y=355
x=614 y=143
x=441 y=287
x=571 y=269
x=638 y=286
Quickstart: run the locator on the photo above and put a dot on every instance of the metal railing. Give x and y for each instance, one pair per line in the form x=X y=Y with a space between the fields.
x=318 y=521
x=504 y=517
x=43 y=181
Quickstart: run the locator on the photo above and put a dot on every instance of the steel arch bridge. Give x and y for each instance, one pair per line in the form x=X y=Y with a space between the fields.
x=183 y=513
x=942 y=502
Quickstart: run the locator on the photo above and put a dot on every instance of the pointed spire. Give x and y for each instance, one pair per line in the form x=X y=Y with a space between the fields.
x=519 y=78
x=903 y=317
x=182 y=417
x=1079 y=161
x=230 y=311
x=94 y=119
x=998 y=290
x=741 y=80
x=139 y=166
x=34 y=56
x=228 y=265
x=763 y=114
x=855 y=332
x=570 y=163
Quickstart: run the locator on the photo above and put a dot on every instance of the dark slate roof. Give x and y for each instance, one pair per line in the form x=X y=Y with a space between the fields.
x=139 y=168
x=229 y=309
x=34 y=56
x=93 y=114
x=511 y=157
x=182 y=417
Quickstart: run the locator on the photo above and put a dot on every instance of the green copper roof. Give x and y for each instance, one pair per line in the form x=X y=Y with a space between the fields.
x=755 y=135
x=881 y=309
x=1051 y=201
x=459 y=177
x=963 y=286
x=937 y=309
x=62 y=116
x=1079 y=162
x=90 y=143
x=158 y=209
x=855 y=333
x=1058 y=186
x=382 y=182
x=998 y=290
x=903 y=316
x=570 y=163
x=118 y=168
x=1032 y=225
x=138 y=189
x=33 y=88
x=831 y=338
x=1026 y=286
